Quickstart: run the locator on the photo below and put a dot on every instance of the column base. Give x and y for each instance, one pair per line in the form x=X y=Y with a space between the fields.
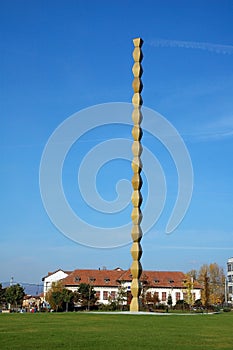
x=134 y=305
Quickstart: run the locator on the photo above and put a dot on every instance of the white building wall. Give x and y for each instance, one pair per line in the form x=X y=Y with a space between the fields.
x=100 y=290
x=230 y=280
x=55 y=277
x=160 y=291
x=173 y=292
x=105 y=293
x=103 y=299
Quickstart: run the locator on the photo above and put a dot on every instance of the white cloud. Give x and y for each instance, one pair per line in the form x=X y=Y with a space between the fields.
x=216 y=48
x=217 y=130
x=221 y=123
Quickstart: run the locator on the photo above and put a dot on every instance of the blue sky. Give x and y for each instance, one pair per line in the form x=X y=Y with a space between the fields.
x=58 y=57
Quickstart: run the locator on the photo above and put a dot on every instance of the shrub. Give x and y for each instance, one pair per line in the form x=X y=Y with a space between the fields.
x=108 y=307
x=181 y=305
x=160 y=307
x=227 y=309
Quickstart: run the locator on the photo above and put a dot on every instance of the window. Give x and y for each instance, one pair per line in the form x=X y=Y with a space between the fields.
x=230 y=289
x=77 y=279
x=156 y=280
x=91 y=279
x=97 y=294
x=229 y=278
x=113 y=295
x=105 y=295
x=156 y=297
x=177 y=296
x=107 y=280
x=171 y=281
x=229 y=267
x=164 y=296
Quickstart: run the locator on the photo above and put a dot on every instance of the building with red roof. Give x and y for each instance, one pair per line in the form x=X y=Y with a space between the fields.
x=107 y=283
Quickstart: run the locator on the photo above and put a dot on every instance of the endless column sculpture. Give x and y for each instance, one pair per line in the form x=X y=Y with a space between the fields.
x=136 y=233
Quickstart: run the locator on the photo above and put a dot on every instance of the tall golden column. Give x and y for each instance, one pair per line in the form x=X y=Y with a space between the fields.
x=136 y=250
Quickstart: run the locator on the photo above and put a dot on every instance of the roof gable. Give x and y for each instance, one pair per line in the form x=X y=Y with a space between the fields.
x=58 y=274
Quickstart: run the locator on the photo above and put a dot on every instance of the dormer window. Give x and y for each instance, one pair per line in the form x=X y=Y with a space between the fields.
x=156 y=280
x=171 y=281
x=92 y=279
x=107 y=280
x=77 y=279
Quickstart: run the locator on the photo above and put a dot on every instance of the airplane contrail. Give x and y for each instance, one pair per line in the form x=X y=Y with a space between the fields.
x=222 y=49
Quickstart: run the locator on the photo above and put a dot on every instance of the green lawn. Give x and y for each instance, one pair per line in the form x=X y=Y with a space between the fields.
x=101 y=331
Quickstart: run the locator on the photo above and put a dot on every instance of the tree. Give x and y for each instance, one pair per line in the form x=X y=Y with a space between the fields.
x=169 y=300
x=59 y=297
x=56 y=300
x=149 y=300
x=217 y=284
x=188 y=291
x=156 y=298
x=121 y=296
x=86 y=295
x=14 y=295
x=144 y=288
x=205 y=282
x=54 y=296
x=67 y=297
x=212 y=279
x=2 y=295
x=192 y=274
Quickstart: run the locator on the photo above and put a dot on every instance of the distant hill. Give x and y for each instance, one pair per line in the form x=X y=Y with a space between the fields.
x=29 y=288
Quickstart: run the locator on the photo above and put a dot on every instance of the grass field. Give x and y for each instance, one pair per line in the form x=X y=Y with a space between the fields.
x=101 y=331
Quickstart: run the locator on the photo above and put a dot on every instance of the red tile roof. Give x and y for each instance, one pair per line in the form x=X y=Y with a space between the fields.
x=94 y=277
x=112 y=278
x=159 y=278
